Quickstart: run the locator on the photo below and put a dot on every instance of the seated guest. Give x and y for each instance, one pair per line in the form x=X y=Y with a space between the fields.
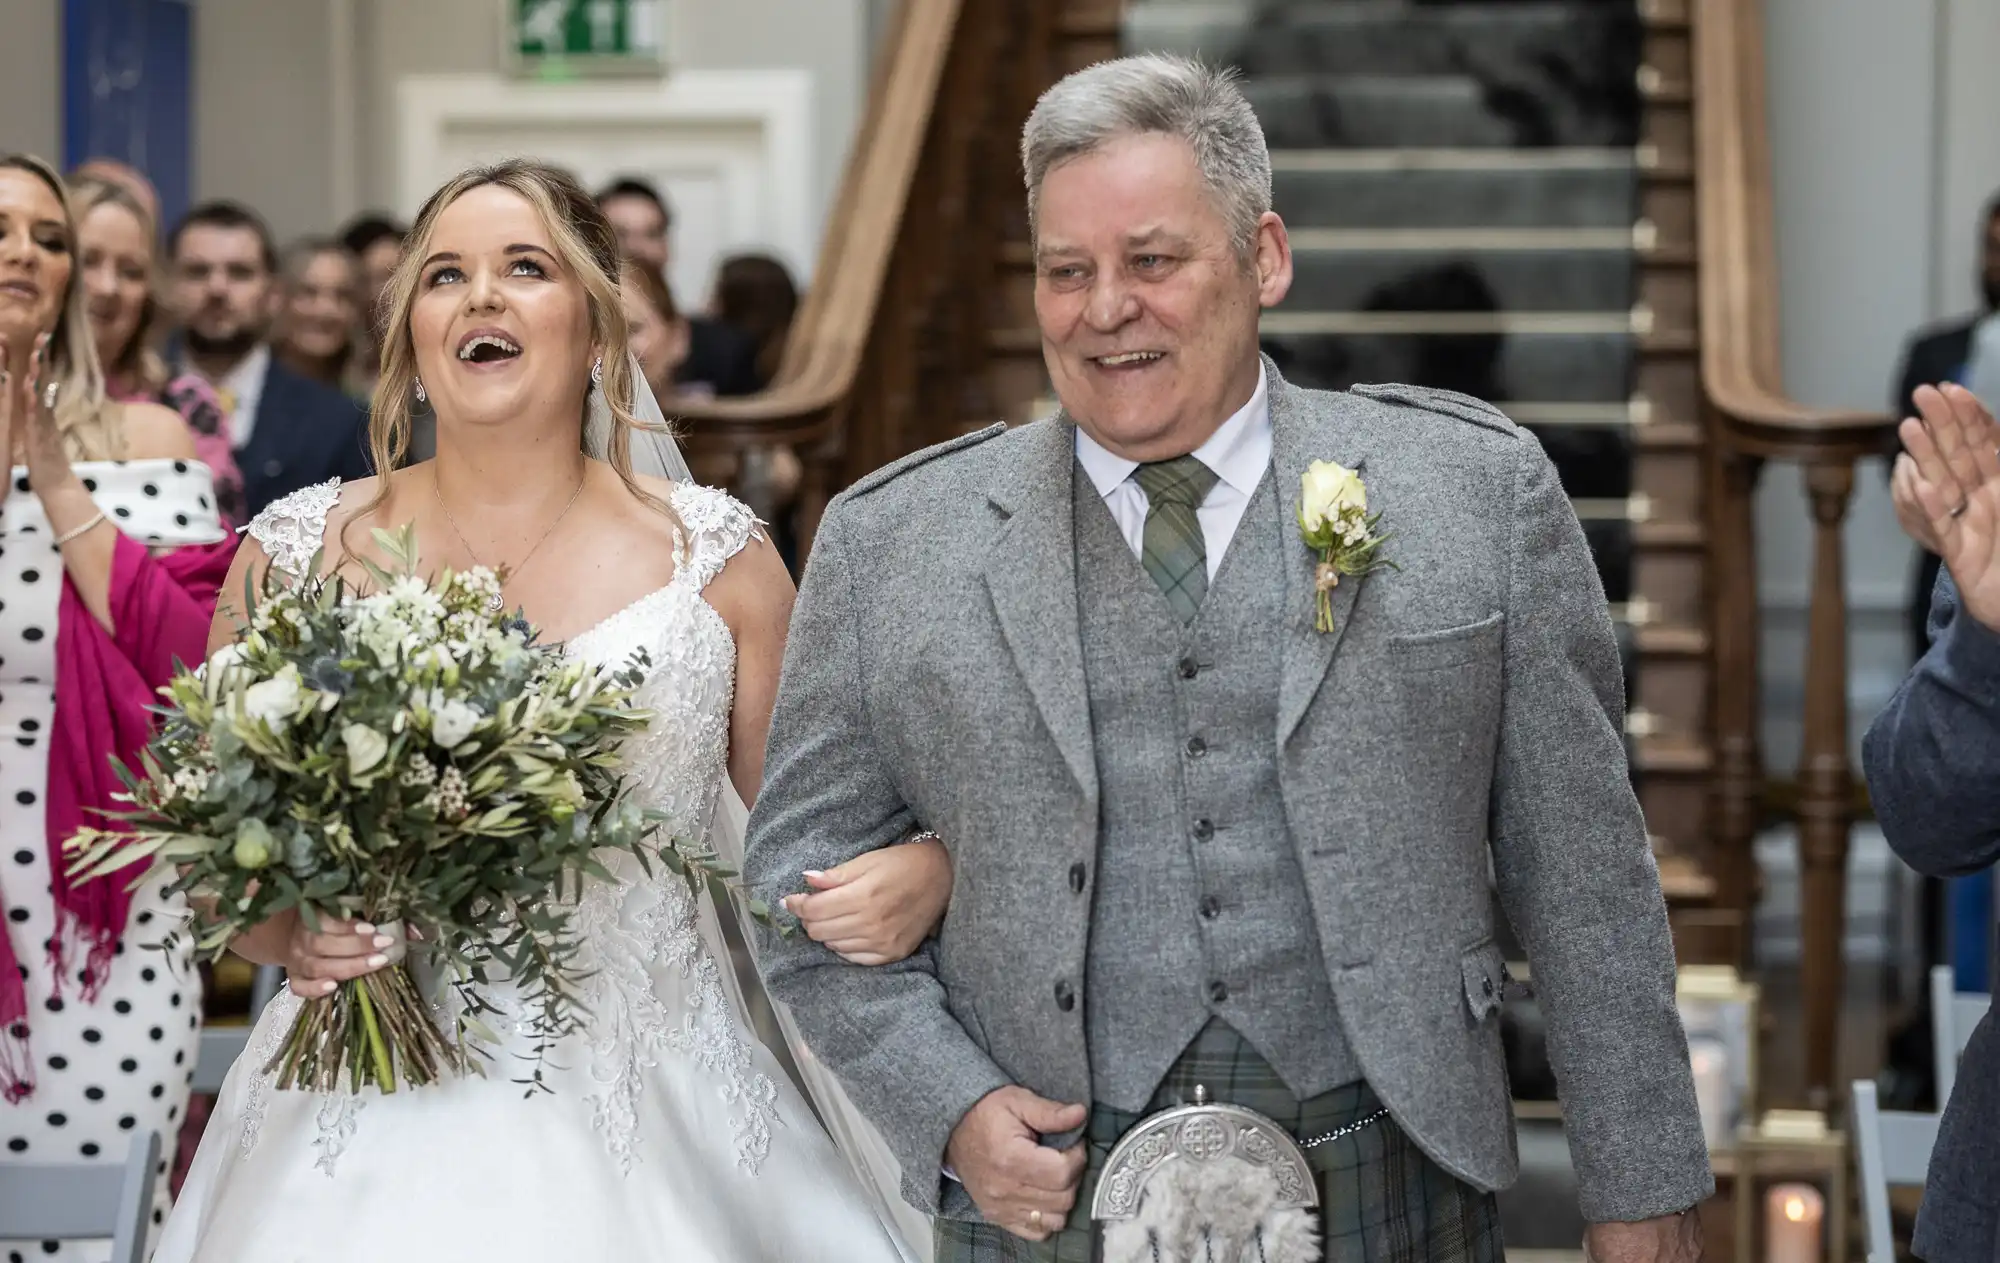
x=118 y=251
x=288 y=431
x=113 y=555
x=755 y=295
x=377 y=242
x=720 y=361
x=659 y=332
x=319 y=320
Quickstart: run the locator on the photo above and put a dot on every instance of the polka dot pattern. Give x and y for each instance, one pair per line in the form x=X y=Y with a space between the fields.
x=113 y=1068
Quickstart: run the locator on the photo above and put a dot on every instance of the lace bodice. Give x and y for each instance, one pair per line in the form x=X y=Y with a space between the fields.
x=655 y=987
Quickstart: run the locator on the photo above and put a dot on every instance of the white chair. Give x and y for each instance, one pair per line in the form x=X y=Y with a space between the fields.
x=1893 y=1150
x=1953 y=1015
x=85 y=1200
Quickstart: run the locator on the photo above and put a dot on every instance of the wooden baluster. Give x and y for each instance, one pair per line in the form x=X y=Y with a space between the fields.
x=1825 y=780
x=1737 y=792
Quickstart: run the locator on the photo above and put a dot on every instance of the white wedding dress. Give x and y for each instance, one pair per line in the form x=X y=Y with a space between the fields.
x=670 y=1132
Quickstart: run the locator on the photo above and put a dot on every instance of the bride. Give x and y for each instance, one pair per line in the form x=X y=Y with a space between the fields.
x=670 y=1132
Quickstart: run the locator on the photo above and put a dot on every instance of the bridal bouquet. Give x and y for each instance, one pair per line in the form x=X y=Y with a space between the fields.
x=410 y=755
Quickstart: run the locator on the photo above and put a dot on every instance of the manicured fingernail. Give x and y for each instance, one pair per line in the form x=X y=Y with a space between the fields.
x=377 y=961
x=326 y=987
x=383 y=940
x=814 y=872
x=362 y=927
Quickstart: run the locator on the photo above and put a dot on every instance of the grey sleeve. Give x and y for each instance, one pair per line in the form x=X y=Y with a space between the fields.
x=885 y=1030
x=1577 y=878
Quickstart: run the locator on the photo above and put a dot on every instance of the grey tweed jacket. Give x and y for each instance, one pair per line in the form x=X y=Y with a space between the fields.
x=1933 y=763
x=1467 y=708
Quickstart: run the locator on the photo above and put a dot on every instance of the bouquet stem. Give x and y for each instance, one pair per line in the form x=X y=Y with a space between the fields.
x=375 y=1028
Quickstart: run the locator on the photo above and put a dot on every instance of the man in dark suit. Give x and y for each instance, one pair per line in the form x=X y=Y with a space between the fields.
x=288 y=432
x=1933 y=763
x=720 y=360
x=1937 y=354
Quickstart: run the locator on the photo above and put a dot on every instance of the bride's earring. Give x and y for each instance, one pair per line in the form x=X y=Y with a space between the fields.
x=421 y=396
x=597 y=372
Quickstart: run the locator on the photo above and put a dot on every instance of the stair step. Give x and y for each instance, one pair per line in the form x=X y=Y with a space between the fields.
x=1503 y=270
x=1586 y=47
x=1432 y=189
x=1389 y=111
x=1589 y=362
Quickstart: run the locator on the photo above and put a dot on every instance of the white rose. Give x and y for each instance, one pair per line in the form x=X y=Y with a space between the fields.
x=453 y=722
x=215 y=672
x=276 y=700
x=366 y=748
x=1330 y=491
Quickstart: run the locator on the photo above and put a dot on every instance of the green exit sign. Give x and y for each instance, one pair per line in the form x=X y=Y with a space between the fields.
x=555 y=38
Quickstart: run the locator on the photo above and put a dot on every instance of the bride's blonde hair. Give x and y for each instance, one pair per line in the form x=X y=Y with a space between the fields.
x=588 y=247
x=84 y=415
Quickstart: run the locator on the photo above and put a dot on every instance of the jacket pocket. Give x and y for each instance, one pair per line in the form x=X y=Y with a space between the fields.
x=1483 y=970
x=1449 y=646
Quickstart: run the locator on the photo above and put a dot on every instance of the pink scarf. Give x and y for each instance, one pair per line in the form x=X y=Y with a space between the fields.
x=106 y=684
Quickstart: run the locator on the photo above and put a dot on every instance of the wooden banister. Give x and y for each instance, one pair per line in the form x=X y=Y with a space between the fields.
x=1749 y=420
x=888 y=350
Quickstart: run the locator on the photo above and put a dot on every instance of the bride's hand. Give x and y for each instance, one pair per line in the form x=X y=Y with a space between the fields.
x=879 y=907
x=317 y=963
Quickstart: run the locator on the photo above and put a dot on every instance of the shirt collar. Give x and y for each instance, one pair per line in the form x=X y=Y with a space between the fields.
x=1238 y=451
x=246 y=380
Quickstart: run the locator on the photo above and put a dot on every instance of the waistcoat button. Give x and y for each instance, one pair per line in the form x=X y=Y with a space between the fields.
x=1189 y=668
x=1218 y=991
x=1197 y=747
x=1204 y=829
x=1065 y=995
x=1077 y=874
x=1211 y=907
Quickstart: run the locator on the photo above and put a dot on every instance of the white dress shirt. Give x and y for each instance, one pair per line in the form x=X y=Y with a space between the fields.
x=242 y=387
x=1239 y=453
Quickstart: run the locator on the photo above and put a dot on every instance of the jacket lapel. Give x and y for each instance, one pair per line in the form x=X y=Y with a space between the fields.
x=1031 y=576
x=1298 y=438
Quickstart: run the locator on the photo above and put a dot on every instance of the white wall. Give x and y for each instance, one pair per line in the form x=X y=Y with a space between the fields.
x=31 y=80
x=1876 y=207
x=297 y=101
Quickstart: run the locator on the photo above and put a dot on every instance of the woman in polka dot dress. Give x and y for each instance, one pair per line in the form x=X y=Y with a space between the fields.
x=110 y=554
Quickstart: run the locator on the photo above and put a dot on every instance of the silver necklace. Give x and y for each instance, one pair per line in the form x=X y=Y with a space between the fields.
x=494 y=602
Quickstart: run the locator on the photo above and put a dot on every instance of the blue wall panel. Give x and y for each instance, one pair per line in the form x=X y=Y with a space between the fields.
x=128 y=80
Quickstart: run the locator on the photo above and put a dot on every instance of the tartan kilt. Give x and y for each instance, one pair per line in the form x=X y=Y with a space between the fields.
x=1381 y=1199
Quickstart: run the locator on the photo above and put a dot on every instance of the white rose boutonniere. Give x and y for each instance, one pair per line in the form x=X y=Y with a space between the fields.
x=1334 y=521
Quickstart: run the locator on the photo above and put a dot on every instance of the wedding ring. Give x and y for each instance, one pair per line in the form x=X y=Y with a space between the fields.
x=1035 y=1220
x=1960 y=510
x=49 y=395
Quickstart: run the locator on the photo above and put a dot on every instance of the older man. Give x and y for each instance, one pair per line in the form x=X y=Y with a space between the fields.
x=1222 y=805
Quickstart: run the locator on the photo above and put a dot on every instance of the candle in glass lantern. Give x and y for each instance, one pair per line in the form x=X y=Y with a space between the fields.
x=1794 y=1221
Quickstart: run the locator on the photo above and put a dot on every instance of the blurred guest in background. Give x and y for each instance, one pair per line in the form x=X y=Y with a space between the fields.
x=720 y=361
x=659 y=332
x=288 y=431
x=113 y=554
x=117 y=250
x=319 y=317
x=377 y=242
x=125 y=176
x=755 y=295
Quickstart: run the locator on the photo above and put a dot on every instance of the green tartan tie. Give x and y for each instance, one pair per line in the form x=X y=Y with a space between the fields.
x=1173 y=551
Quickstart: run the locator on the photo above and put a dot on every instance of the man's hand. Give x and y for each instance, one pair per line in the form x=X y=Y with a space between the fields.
x=1668 y=1239
x=1018 y=1183
x=1955 y=486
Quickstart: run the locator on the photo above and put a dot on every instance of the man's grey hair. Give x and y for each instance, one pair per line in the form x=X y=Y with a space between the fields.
x=1157 y=93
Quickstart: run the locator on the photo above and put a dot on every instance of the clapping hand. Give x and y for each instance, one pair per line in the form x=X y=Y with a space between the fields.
x=27 y=417
x=1946 y=487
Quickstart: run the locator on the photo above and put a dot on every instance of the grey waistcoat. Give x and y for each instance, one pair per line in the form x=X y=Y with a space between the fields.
x=1200 y=909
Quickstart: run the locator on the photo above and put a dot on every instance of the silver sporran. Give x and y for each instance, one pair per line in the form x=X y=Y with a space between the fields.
x=1208 y=1181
